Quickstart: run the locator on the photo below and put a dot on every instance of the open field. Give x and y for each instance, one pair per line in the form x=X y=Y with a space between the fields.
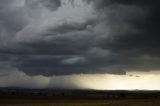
x=122 y=102
x=39 y=97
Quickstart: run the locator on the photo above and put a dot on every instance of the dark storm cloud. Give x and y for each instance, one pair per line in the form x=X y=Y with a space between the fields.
x=146 y=40
x=140 y=38
x=48 y=37
x=104 y=3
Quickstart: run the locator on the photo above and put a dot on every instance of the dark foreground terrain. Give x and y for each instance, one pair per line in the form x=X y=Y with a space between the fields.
x=49 y=97
x=122 y=102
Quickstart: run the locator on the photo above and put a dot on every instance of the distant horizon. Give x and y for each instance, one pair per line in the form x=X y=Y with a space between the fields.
x=129 y=81
x=11 y=87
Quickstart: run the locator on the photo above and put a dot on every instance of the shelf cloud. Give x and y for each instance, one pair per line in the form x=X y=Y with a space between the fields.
x=65 y=37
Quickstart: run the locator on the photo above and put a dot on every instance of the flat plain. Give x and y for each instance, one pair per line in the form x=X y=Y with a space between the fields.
x=28 y=97
x=120 y=102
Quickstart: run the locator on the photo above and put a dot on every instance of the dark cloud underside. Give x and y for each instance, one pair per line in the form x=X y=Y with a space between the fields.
x=47 y=37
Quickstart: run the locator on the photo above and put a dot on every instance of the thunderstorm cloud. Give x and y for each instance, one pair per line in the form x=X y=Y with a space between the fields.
x=64 y=37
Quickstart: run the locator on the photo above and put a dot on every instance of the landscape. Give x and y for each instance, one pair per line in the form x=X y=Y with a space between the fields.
x=53 y=97
x=79 y=52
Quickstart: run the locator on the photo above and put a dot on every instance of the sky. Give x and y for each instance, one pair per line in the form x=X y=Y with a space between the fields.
x=80 y=44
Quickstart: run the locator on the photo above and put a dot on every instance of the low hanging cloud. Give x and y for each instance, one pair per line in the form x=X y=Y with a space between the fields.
x=65 y=37
x=130 y=81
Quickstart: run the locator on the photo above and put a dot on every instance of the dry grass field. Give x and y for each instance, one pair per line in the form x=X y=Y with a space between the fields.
x=30 y=97
x=119 y=102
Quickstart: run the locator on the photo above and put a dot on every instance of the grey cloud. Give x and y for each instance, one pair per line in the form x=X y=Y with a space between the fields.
x=74 y=60
x=46 y=37
x=133 y=31
x=51 y=4
x=17 y=78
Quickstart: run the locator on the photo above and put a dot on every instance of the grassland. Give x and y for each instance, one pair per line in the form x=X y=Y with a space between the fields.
x=28 y=97
x=120 y=102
